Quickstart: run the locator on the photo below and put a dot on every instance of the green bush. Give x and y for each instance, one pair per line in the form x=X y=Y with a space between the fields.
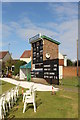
x=69 y=62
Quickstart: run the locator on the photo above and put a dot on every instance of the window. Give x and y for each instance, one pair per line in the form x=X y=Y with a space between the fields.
x=41 y=52
x=41 y=42
x=41 y=47
x=37 y=43
x=37 y=48
x=34 y=49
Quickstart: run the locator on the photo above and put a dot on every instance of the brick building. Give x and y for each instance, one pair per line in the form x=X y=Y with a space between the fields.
x=44 y=58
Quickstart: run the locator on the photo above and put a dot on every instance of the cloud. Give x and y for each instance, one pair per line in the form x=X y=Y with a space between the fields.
x=25 y=28
x=64 y=11
x=0 y=35
x=26 y=33
x=6 y=30
x=66 y=33
x=68 y=38
x=64 y=30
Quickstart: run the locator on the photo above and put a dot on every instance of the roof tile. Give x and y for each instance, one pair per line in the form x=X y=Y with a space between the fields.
x=26 y=54
x=3 y=53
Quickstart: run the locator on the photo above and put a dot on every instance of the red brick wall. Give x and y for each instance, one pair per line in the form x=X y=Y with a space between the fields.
x=61 y=62
x=79 y=71
x=70 y=71
x=51 y=48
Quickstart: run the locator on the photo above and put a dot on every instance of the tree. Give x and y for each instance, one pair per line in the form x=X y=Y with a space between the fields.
x=9 y=63
x=75 y=64
x=3 y=66
x=69 y=62
x=17 y=66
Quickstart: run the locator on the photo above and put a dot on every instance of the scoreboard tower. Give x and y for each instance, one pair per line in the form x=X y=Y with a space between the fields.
x=44 y=56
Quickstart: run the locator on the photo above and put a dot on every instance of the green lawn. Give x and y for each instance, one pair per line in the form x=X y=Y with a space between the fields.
x=62 y=105
x=4 y=86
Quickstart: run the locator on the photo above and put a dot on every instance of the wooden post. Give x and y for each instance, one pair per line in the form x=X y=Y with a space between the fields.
x=77 y=57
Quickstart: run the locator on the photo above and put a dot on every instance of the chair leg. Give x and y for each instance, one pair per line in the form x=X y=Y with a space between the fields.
x=12 y=102
x=0 y=112
x=23 y=97
x=4 y=108
x=34 y=107
x=15 y=98
x=9 y=105
x=17 y=93
x=24 y=107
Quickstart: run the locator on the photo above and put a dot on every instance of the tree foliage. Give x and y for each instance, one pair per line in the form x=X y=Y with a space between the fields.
x=9 y=63
x=78 y=63
x=69 y=62
x=17 y=66
x=3 y=66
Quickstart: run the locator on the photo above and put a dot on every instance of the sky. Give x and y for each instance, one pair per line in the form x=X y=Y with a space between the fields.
x=40 y=0
x=22 y=20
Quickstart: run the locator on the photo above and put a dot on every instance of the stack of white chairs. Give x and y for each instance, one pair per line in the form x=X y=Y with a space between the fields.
x=7 y=100
x=29 y=97
x=28 y=92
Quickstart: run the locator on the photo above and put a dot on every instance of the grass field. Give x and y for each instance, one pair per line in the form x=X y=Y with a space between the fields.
x=4 y=86
x=62 y=105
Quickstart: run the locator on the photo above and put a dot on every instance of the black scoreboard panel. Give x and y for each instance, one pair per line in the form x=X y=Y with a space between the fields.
x=38 y=52
x=39 y=65
x=37 y=74
x=51 y=70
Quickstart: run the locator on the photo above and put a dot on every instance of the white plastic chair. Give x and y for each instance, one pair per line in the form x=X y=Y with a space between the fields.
x=8 y=99
x=1 y=115
x=12 y=97
x=30 y=99
x=28 y=93
x=2 y=106
x=17 y=90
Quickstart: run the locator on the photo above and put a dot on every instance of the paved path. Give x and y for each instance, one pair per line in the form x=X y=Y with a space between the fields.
x=25 y=84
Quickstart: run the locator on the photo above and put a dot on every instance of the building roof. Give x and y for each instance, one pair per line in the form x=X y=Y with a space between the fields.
x=26 y=66
x=50 y=39
x=39 y=36
x=3 y=54
x=26 y=54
